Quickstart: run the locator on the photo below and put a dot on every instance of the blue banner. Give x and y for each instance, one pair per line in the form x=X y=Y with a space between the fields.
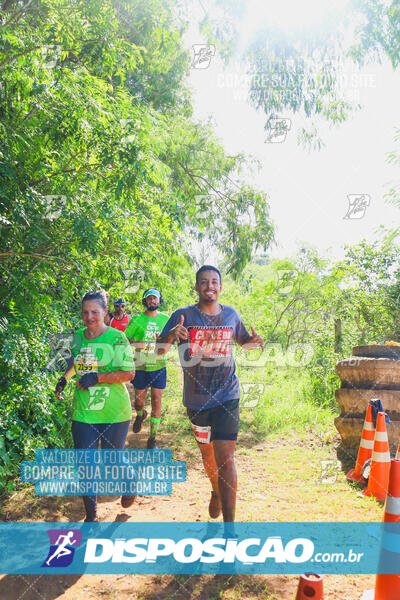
x=196 y=548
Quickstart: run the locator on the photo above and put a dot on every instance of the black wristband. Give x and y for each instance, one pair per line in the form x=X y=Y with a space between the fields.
x=88 y=380
x=60 y=385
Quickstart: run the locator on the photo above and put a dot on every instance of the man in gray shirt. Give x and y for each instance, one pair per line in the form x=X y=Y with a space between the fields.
x=205 y=332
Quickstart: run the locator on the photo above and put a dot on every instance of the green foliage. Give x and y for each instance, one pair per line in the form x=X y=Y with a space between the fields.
x=376 y=34
x=370 y=292
x=100 y=166
x=294 y=304
x=30 y=415
x=321 y=379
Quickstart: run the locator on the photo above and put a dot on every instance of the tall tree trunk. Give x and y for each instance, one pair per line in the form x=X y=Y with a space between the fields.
x=338 y=336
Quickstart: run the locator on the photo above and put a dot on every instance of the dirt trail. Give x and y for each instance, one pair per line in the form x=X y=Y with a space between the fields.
x=279 y=480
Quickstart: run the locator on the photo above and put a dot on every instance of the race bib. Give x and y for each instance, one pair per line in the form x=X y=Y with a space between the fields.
x=85 y=362
x=150 y=336
x=210 y=341
x=202 y=434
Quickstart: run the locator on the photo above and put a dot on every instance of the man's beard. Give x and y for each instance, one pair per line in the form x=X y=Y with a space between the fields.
x=211 y=298
x=152 y=306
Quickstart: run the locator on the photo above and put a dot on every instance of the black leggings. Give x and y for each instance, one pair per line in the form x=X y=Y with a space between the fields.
x=88 y=435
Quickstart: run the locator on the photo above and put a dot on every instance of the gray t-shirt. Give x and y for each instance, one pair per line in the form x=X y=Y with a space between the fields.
x=206 y=357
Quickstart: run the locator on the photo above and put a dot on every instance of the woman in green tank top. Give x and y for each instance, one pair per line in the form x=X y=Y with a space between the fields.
x=102 y=360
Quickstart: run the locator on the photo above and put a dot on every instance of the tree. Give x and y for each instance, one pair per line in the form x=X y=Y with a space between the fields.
x=101 y=163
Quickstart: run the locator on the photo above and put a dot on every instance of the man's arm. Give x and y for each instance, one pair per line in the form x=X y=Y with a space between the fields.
x=130 y=334
x=243 y=337
x=165 y=341
x=254 y=341
x=136 y=344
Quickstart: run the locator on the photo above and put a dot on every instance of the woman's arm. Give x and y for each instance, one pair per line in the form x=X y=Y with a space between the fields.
x=116 y=376
x=88 y=380
x=62 y=382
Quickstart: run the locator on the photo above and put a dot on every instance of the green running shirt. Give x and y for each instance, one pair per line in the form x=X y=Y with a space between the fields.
x=143 y=328
x=103 y=402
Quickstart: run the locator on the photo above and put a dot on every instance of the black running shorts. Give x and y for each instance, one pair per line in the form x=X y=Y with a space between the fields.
x=217 y=423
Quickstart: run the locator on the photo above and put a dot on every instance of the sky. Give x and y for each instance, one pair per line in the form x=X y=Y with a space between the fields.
x=308 y=191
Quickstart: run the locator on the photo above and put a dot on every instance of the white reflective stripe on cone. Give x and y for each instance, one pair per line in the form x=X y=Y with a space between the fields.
x=381 y=436
x=392 y=505
x=369 y=444
x=381 y=456
x=368 y=426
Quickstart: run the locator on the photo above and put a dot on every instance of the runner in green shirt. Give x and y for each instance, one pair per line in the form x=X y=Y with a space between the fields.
x=102 y=360
x=103 y=402
x=151 y=371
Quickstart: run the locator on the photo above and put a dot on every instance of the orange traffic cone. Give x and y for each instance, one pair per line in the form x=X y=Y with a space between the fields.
x=380 y=465
x=387 y=587
x=366 y=447
x=392 y=505
x=310 y=586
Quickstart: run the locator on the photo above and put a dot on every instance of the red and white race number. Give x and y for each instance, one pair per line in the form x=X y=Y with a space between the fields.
x=210 y=341
x=202 y=434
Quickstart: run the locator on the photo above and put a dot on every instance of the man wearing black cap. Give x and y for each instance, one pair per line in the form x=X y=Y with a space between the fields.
x=119 y=319
x=151 y=370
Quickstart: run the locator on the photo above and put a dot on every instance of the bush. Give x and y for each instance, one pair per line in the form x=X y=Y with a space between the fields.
x=321 y=378
x=30 y=415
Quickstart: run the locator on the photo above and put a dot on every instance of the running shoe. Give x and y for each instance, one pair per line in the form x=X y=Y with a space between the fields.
x=127 y=501
x=214 y=508
x=137 y=425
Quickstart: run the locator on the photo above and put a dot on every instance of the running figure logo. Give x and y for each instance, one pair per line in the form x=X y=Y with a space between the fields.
x=358 y=204
x=62 y=542
x=203 y=54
